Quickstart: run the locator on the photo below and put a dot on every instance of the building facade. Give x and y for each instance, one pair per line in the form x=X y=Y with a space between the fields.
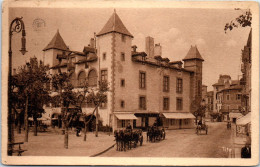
x=144 y=87
x=246 y=71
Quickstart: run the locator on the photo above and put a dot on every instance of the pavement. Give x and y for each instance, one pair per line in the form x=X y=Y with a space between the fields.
x=52 y=144
x=184 y=143
x=178 y=143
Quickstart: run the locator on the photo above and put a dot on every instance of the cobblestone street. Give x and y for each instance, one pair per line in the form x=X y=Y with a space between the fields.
x=184 y=143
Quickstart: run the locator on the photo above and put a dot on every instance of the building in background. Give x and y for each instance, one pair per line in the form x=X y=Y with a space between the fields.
x=246 y=71
x=229 y=100
x=145 y=86
x=209 y=103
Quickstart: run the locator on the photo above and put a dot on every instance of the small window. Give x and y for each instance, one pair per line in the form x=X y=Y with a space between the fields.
x=227 y=97
x=238 y=96
x=179 y=85
x=142 y=78
x=103 y=75
x=165 y=103
x=104 y=56
x=123 y=123
x=122 y=56
x=179 y=104
x=122 y=82
x=123 y=38
x=142 y=103
x=122 y=104
x=166 y=83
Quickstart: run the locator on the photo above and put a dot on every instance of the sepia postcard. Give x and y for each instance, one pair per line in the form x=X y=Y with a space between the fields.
x=160 y=83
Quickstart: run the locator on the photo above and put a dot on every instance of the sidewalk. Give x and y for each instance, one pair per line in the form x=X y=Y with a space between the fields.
x=52 y=144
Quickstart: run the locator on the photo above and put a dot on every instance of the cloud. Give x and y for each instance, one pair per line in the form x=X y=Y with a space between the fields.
x=231 y=43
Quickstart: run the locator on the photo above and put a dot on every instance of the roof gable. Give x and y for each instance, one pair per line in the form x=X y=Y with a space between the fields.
x=193 y=54
x=56 y=43
x=114 y=24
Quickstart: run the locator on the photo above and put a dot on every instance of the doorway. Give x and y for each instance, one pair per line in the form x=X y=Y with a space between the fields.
x=180 y=123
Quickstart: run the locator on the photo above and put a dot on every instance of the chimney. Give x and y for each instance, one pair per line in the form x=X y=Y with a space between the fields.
x=158 y=50
x=92 y=42
x=134 y=48
x=149 y=47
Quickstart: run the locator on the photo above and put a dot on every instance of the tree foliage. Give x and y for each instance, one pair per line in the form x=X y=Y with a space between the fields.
x=31 y=81
x=243 y=20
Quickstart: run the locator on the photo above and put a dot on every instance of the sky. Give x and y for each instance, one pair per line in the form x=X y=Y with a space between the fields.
x=175 y=29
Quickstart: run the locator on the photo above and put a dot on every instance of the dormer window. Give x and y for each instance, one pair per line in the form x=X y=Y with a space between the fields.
x=122 y=56
x=123 y=38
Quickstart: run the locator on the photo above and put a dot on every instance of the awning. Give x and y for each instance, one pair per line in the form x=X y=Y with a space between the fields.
x=244 y=120
x=235 y=115
x=178 y=115
x=126 y=116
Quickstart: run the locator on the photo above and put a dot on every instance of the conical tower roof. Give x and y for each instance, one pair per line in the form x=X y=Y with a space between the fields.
x=56 y=43
x=193 y=54
x=114 y=24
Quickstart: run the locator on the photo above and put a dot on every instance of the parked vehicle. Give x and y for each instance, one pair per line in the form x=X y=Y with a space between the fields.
x=155 y=133
x=202 y=127
x=128 y=139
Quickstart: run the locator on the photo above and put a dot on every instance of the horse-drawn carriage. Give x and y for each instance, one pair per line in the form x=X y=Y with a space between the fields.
x=155 y=133
x=202 y=127
x=128 y=139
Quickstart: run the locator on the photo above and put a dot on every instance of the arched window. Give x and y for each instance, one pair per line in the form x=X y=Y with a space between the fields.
x=81 y=79
x=73 y=79
x=92 y=78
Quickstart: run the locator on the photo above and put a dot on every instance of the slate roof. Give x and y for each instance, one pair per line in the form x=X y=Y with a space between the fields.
x=114 y=24
x=57 y=43
x=193 y=54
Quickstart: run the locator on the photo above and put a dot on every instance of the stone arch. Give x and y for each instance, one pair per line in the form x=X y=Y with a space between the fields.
x=82 y=78
x=92 y=77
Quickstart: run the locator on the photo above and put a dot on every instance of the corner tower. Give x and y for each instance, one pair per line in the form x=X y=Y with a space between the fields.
x=55 y=47
x=193 y=62
x=114 y=43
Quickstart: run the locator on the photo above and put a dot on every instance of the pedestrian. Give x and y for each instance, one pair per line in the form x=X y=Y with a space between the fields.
x=246 y=151
x=78 y=129
x=129 y=127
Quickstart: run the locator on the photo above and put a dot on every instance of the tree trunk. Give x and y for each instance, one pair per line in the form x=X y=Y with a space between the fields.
x=85 y=131
x=19 y=124
x=66 y=138
x=26 y=121
x=97 y=123
x=35 y=125
x=13 y=124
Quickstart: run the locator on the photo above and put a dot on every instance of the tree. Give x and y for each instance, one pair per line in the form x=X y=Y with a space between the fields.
x=97 y=97
x=198 y=108
x=243 y=20
x=67 y=97
x=32 y=92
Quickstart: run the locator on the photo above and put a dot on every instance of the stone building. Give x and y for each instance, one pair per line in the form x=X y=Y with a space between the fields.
x=144 y=86
x=216 y=88
x=246 y=71
x=229 y=100
x=209 y=102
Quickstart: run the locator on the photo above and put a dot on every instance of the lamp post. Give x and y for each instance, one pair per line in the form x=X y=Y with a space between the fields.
x=16 y=26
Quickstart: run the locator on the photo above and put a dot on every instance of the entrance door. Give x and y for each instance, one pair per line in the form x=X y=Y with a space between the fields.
x=146 y=122
x=180 y=123
x=134 y=123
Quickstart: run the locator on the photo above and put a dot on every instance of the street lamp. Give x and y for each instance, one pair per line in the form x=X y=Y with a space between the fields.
x=16 y=26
